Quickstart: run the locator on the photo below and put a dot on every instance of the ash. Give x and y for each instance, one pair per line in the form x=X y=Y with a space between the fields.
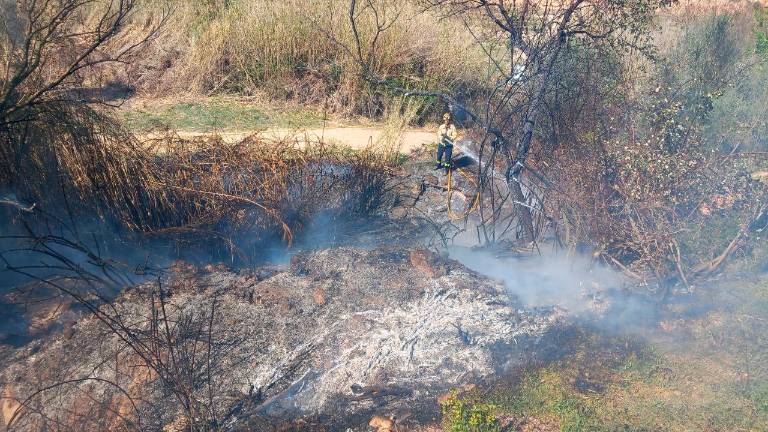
x=335 y=335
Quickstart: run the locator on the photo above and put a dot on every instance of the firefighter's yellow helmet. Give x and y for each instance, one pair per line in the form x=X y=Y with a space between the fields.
x=447 y=116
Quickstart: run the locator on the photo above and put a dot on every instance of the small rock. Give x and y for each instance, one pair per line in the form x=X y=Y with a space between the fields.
x=426 y=262
x=319 y=296
x=9 y=407
x=179 y=425
x=181 y=267
x=217 y=267
x=285 y=307
x=398 y=212
x=431 y=179
x=705 y=209
x=298 y=265
x=760 y=176
x=417 y=189
x=381 y=424
x=69 y=330
x=445 y=398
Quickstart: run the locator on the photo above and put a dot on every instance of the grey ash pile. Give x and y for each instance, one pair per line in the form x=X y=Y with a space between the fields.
x=336 y=336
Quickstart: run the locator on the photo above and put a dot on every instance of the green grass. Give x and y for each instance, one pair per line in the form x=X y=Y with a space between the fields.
x=217 y=116
x=467 y=416
x=712 y=375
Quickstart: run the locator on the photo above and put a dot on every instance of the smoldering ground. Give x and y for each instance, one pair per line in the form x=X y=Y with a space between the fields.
x=99 y=258
x=577 y=283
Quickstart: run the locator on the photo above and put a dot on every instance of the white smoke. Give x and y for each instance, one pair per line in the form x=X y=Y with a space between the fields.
x=550 y=279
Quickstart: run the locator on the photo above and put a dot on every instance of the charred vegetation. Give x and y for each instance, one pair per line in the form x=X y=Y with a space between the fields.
x=196 y=284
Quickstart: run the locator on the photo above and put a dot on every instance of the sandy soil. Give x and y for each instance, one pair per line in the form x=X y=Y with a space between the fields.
x=353 y=137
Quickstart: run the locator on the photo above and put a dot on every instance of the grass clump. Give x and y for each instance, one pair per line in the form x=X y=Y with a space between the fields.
x=465 y=416
x=705 y=373
x=547 y=394
x=215 y=114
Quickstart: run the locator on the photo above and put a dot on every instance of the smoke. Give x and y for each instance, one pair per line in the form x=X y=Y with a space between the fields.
x=577 y=283
x=47 y=259
x=549 y=279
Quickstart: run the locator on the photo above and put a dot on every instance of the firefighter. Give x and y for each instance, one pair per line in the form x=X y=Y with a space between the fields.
x=446 y=135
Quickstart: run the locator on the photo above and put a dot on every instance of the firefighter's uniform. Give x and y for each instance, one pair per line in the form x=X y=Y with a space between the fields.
x=446 y=136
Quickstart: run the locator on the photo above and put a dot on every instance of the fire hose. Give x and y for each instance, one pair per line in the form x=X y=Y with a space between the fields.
x=455 y=216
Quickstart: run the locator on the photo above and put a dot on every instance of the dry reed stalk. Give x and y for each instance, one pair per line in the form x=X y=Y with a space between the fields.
x=253 y=46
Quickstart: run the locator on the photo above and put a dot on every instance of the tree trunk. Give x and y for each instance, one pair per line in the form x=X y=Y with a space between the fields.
x=524 y=145
x=526 y=220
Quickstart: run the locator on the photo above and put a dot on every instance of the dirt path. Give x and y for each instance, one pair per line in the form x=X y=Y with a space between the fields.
x=352 y=137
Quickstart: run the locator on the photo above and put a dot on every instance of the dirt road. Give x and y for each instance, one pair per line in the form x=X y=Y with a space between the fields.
x=352 y=137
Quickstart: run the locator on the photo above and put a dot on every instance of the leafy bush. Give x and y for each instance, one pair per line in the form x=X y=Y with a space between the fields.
x=462 y=416
x=761 y=33
x=661 y=189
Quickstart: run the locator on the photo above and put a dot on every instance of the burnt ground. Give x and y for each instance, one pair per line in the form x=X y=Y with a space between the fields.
x=343 y=331
x=336 y=336
x=362 y=320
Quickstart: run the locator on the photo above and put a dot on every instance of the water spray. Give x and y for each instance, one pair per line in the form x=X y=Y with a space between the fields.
x=472 y=155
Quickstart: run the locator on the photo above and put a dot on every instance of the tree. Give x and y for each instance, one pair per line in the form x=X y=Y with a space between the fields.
x=52 y=134
x=535 y=36
x=48 y=50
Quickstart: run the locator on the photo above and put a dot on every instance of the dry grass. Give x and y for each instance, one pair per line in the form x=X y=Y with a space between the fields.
x=257 y=183
x=663 y=383
x=282 y=48
x=77 y=164
x=71 y=155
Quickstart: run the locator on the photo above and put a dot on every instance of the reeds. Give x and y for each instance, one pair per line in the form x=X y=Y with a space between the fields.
x=77 y=163
x=260 y=183
x=70 y=157
x=285 y=49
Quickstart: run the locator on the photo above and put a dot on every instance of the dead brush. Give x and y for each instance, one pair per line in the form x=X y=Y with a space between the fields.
x=72 y=156
x=283 y=49
x=259 y=186
x=79 y=163
x=658 y=239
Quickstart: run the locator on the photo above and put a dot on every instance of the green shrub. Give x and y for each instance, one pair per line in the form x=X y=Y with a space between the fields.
x=463 y=416
x=761 y=32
